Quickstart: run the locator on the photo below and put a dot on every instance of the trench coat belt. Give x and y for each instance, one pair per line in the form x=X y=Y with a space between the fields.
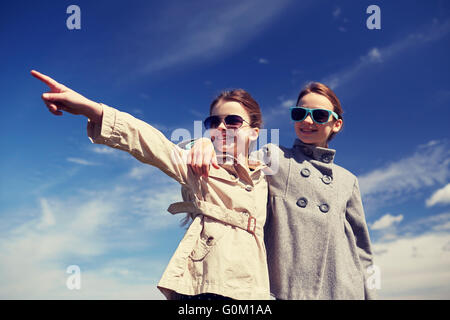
x=238 y=219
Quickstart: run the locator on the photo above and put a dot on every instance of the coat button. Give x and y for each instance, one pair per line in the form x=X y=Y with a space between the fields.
x=302 y=202
x=305 y=172
x=209 y=240
x=327 y=157
x=248 y=188
x=327 y=179
x=324 y=208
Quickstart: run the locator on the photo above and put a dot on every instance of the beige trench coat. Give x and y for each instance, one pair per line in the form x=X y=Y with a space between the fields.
x=223 y=249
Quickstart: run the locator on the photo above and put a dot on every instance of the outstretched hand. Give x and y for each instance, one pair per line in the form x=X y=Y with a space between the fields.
x=60 y=98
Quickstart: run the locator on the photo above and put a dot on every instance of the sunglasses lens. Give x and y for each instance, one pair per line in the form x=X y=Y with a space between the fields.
x=212 y=122
x=233 y=121
x=298 y=114
x=320 y=115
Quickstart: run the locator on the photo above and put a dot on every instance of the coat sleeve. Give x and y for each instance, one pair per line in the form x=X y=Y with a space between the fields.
x=356 y=218
x=122 y=131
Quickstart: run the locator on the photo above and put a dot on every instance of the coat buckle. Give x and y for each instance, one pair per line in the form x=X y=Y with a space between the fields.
x=251 y=226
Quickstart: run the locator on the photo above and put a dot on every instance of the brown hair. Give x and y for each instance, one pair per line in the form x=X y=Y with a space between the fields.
x=320 y=88
x=246 y=100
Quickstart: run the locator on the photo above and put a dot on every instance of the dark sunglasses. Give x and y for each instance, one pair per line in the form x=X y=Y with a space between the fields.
x=232 y=121
x=319 y=116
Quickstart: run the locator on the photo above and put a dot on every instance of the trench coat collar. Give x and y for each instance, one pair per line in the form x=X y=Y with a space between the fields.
x=325 y=155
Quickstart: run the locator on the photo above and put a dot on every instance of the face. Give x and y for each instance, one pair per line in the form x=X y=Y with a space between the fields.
x=313 y=133
x=232 y=141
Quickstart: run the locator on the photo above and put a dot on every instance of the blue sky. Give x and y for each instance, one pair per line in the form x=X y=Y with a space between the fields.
x=65 y=201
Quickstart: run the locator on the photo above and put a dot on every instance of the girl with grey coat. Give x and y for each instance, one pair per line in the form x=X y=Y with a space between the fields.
x=317 y=240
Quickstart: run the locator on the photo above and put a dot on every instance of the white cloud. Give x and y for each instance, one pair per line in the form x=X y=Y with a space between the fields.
x=337 y=12
x=432 y=32
x=198 y=35
x=386 y=221
x=105 y=232
x=263 y=61
x=48 y=218
x=103 y=149
x=441 y=196
x=81 y=161
x=141 y=171
x=437 y=222
x=374 y=55
x=414 y=267
x=288 y=103
x=427 y=167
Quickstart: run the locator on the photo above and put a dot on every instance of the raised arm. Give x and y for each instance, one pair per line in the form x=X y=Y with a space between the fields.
x=117 y=129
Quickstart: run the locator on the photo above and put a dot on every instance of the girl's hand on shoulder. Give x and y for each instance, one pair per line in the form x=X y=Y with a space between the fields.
x=201 y=156
x=60 y=98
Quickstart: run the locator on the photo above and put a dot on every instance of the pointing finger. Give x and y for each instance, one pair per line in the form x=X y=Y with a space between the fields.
x=46 y=79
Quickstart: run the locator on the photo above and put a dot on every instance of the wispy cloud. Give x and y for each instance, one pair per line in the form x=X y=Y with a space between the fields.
x=105 y=232
x=432 y=32
x=336 y=12
x=386 y=221
x=338 y=18
x=374 y=56
x=81 y=161
x=413 y=258
x=263 y=61
x=414 y=267
x=103 y=149
x=441 y=196
x=198 y=35
x=277 y=112
x=410 y=174
x=438 y=222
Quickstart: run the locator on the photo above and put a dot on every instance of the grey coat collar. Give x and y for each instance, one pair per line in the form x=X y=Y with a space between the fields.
x=317 y=153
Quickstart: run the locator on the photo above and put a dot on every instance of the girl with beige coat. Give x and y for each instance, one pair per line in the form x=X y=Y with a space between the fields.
x=222 y=254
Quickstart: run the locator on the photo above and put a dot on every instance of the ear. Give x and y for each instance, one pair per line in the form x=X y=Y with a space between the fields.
x=337 y=125
x=253 y=134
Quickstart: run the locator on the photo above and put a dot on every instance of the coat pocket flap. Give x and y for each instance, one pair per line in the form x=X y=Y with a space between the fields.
x=200 y=250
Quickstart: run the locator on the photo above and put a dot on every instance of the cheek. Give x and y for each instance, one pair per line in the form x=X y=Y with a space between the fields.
x=297 y=127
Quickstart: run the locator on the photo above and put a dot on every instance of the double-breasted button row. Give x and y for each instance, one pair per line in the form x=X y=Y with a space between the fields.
x=305 y=172
x=303 y=202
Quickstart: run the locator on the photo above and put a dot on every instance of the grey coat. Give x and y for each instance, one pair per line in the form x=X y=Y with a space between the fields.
x=316 y=235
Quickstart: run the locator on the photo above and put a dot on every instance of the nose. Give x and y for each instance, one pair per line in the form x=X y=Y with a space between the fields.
x=308 y=119
x=222 y=126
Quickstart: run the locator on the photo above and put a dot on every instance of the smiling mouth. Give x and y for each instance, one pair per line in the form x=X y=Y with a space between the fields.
x=307 y=131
